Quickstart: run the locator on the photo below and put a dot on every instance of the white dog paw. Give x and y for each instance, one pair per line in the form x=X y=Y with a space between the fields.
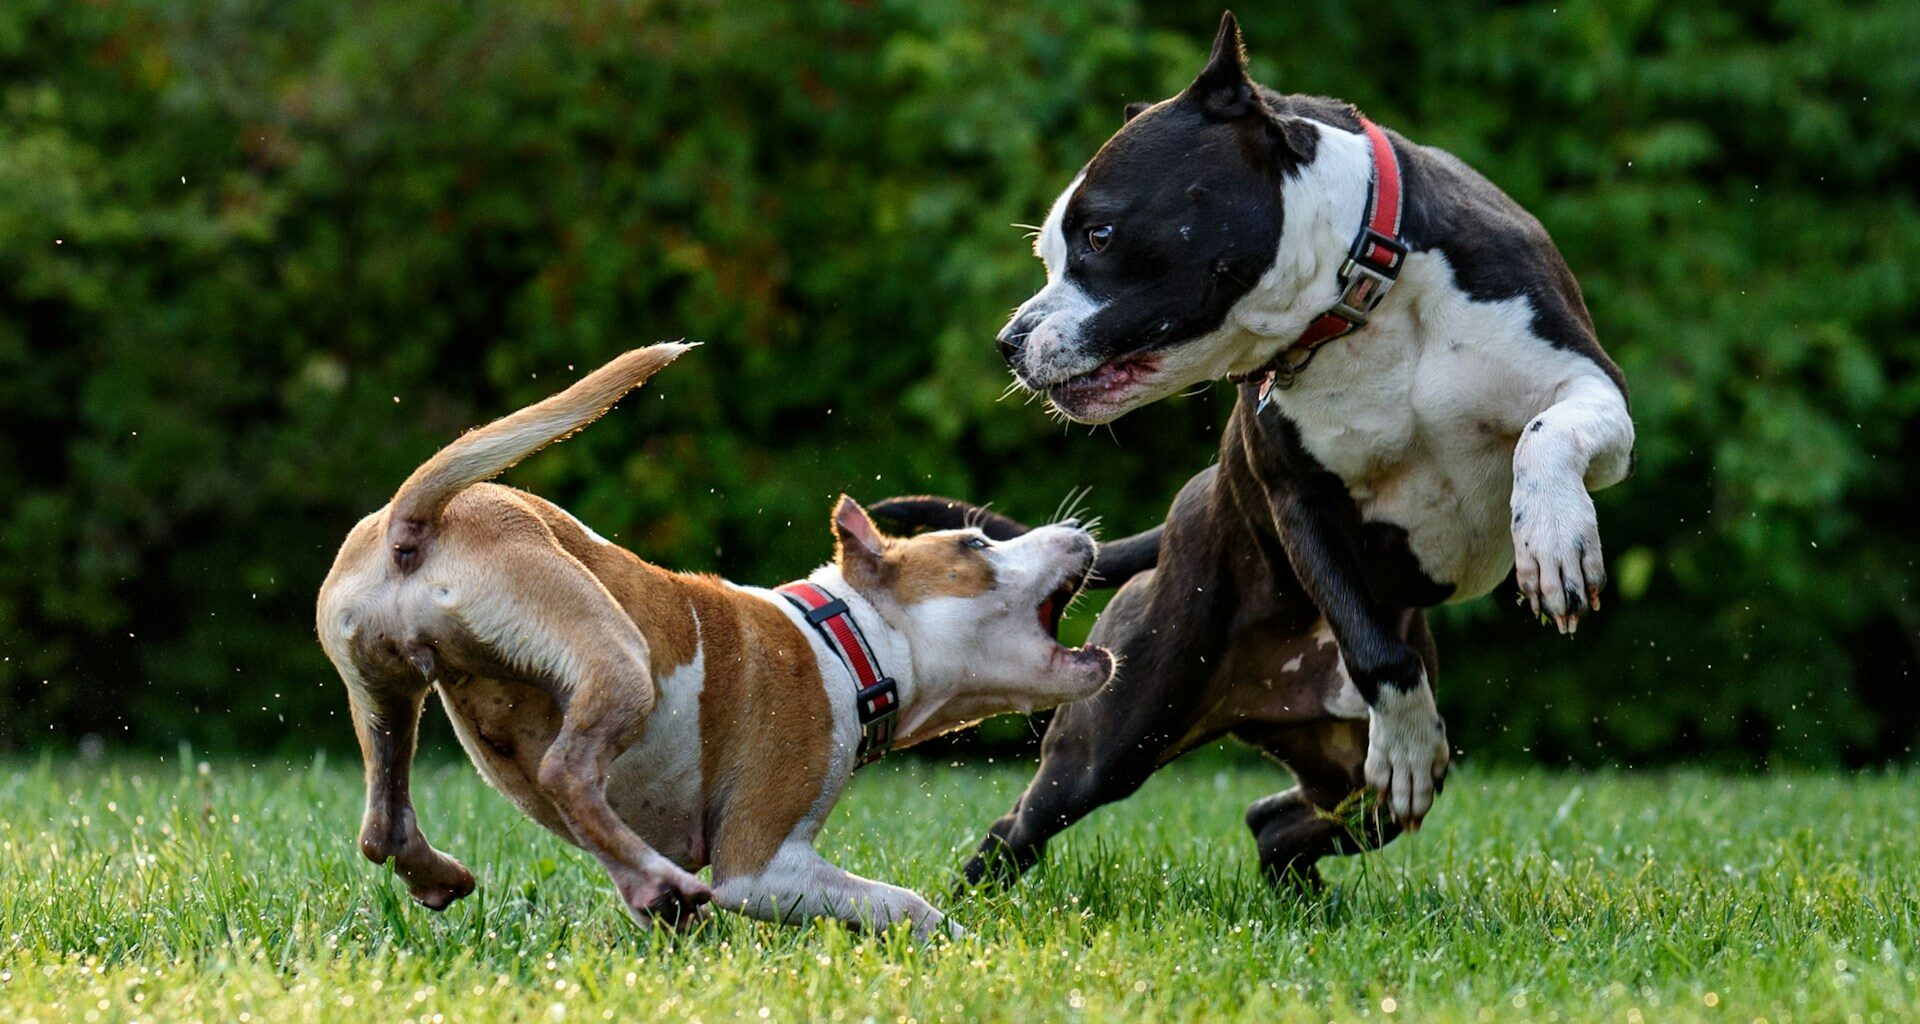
x=1556 y=549
x=1406 y=752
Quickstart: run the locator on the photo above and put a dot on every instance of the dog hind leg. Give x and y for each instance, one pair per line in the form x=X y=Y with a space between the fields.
x=1320 y=817
x=543 y=611
x=386 y=719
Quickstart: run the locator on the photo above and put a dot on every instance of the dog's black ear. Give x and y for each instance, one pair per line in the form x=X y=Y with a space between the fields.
x=859 y=548
x=1223 y=90
x=1134 y=109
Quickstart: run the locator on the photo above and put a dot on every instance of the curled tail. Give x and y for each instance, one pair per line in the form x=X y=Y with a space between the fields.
x=1115 y=563
x=488 y=451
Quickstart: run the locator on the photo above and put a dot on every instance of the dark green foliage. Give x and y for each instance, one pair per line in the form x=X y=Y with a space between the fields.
x=398 y=219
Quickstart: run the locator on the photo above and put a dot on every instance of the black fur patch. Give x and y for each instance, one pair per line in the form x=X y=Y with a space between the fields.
x=1191 y=189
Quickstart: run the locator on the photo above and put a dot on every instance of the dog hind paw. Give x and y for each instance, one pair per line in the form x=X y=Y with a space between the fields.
x=675 y=899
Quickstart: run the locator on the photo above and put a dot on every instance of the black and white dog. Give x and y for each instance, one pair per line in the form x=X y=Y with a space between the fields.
x=1423 y=406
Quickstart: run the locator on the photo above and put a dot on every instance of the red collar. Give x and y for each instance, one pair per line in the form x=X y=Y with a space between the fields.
x=876 y=697
x=1373 y=263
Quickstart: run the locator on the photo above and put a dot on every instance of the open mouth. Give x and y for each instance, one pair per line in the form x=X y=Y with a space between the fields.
x=1054 y=608
x=1106 y=382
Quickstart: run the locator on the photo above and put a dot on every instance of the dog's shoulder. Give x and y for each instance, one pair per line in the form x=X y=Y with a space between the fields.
x=1496 y=249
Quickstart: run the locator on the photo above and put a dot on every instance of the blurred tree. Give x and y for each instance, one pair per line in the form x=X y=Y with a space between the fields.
x=256 y=261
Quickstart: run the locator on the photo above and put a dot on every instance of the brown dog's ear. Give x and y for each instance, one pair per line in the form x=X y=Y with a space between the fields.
x=858 y=545
x=1223 y=90
x=1134 y=109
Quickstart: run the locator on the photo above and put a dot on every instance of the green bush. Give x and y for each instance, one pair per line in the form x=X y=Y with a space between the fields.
x=258 y=260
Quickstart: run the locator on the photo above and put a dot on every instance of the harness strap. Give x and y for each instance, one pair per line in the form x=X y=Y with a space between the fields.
x=876 y=696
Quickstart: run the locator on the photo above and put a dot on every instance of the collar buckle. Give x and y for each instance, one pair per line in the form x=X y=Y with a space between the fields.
x=1371 y=268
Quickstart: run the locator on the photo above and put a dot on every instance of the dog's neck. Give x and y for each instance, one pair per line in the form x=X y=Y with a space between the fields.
x=1325 y=203
x=932 y=701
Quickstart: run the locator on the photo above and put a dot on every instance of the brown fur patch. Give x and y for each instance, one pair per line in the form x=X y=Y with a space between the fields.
x=936 y=565
x=765 y=722
x=652 y=597
x=764 y=726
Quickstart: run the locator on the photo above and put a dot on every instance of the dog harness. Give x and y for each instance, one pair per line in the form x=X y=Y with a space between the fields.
x=1372 y=265
x=876 y=697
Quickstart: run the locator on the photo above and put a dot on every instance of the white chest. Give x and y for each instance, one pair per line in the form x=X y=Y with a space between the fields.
x=1419 y=414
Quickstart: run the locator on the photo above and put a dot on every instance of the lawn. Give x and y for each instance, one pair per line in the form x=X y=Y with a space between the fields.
x=169 y=891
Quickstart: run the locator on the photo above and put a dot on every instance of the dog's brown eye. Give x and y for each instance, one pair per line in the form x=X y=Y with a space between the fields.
x=1098 y=237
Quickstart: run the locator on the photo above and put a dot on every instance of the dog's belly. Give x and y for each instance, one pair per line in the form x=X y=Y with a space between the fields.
x=655 y=786
x=1272 y=676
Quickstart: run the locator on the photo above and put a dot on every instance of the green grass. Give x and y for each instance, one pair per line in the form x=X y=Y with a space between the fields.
x=149 y=892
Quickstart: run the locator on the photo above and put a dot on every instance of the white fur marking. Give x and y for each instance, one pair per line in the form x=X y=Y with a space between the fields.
x=798 y=883
x=1406 y=749
x=655 y=786
x=588 y=530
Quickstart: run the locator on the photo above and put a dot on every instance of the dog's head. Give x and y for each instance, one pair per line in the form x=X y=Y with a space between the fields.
x=976 y=611
x=1149 y=250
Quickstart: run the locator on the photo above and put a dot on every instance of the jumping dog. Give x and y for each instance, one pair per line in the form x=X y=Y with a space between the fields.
x=1422 y=407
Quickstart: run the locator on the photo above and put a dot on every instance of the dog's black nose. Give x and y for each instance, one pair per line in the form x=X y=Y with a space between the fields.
x=1012 y=339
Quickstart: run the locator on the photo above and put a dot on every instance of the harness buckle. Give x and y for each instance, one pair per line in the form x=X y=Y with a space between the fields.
x=878 y=701
x=878 y=708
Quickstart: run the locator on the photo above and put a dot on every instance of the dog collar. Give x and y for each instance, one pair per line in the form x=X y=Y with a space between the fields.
x=876 y=696
x=1372 y=265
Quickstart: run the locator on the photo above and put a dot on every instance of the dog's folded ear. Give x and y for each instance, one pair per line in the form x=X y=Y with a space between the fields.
x=1223 y=90
x=858 y=545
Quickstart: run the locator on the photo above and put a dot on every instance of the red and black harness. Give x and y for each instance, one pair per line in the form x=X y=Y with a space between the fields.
x=876 y=696
x=1373 y=263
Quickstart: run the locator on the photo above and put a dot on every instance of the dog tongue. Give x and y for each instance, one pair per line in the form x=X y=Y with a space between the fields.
x=1045 y=612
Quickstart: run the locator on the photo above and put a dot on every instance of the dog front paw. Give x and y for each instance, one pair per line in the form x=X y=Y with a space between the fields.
x=1556 y=551
x=1407 y=754
x=937 y=926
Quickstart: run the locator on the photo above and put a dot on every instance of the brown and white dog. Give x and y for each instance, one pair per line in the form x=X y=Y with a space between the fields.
x=661 y=721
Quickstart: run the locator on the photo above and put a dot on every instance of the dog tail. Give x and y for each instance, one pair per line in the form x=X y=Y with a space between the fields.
x=1115 y=563
x=486 y=452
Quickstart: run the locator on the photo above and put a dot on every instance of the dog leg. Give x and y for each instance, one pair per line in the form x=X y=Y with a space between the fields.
x=1104 y=748
x=1582 y=442
x=1407 y=751
x=386 y=718
x=798 y=883
x=544 y=611
x=1322 y=815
